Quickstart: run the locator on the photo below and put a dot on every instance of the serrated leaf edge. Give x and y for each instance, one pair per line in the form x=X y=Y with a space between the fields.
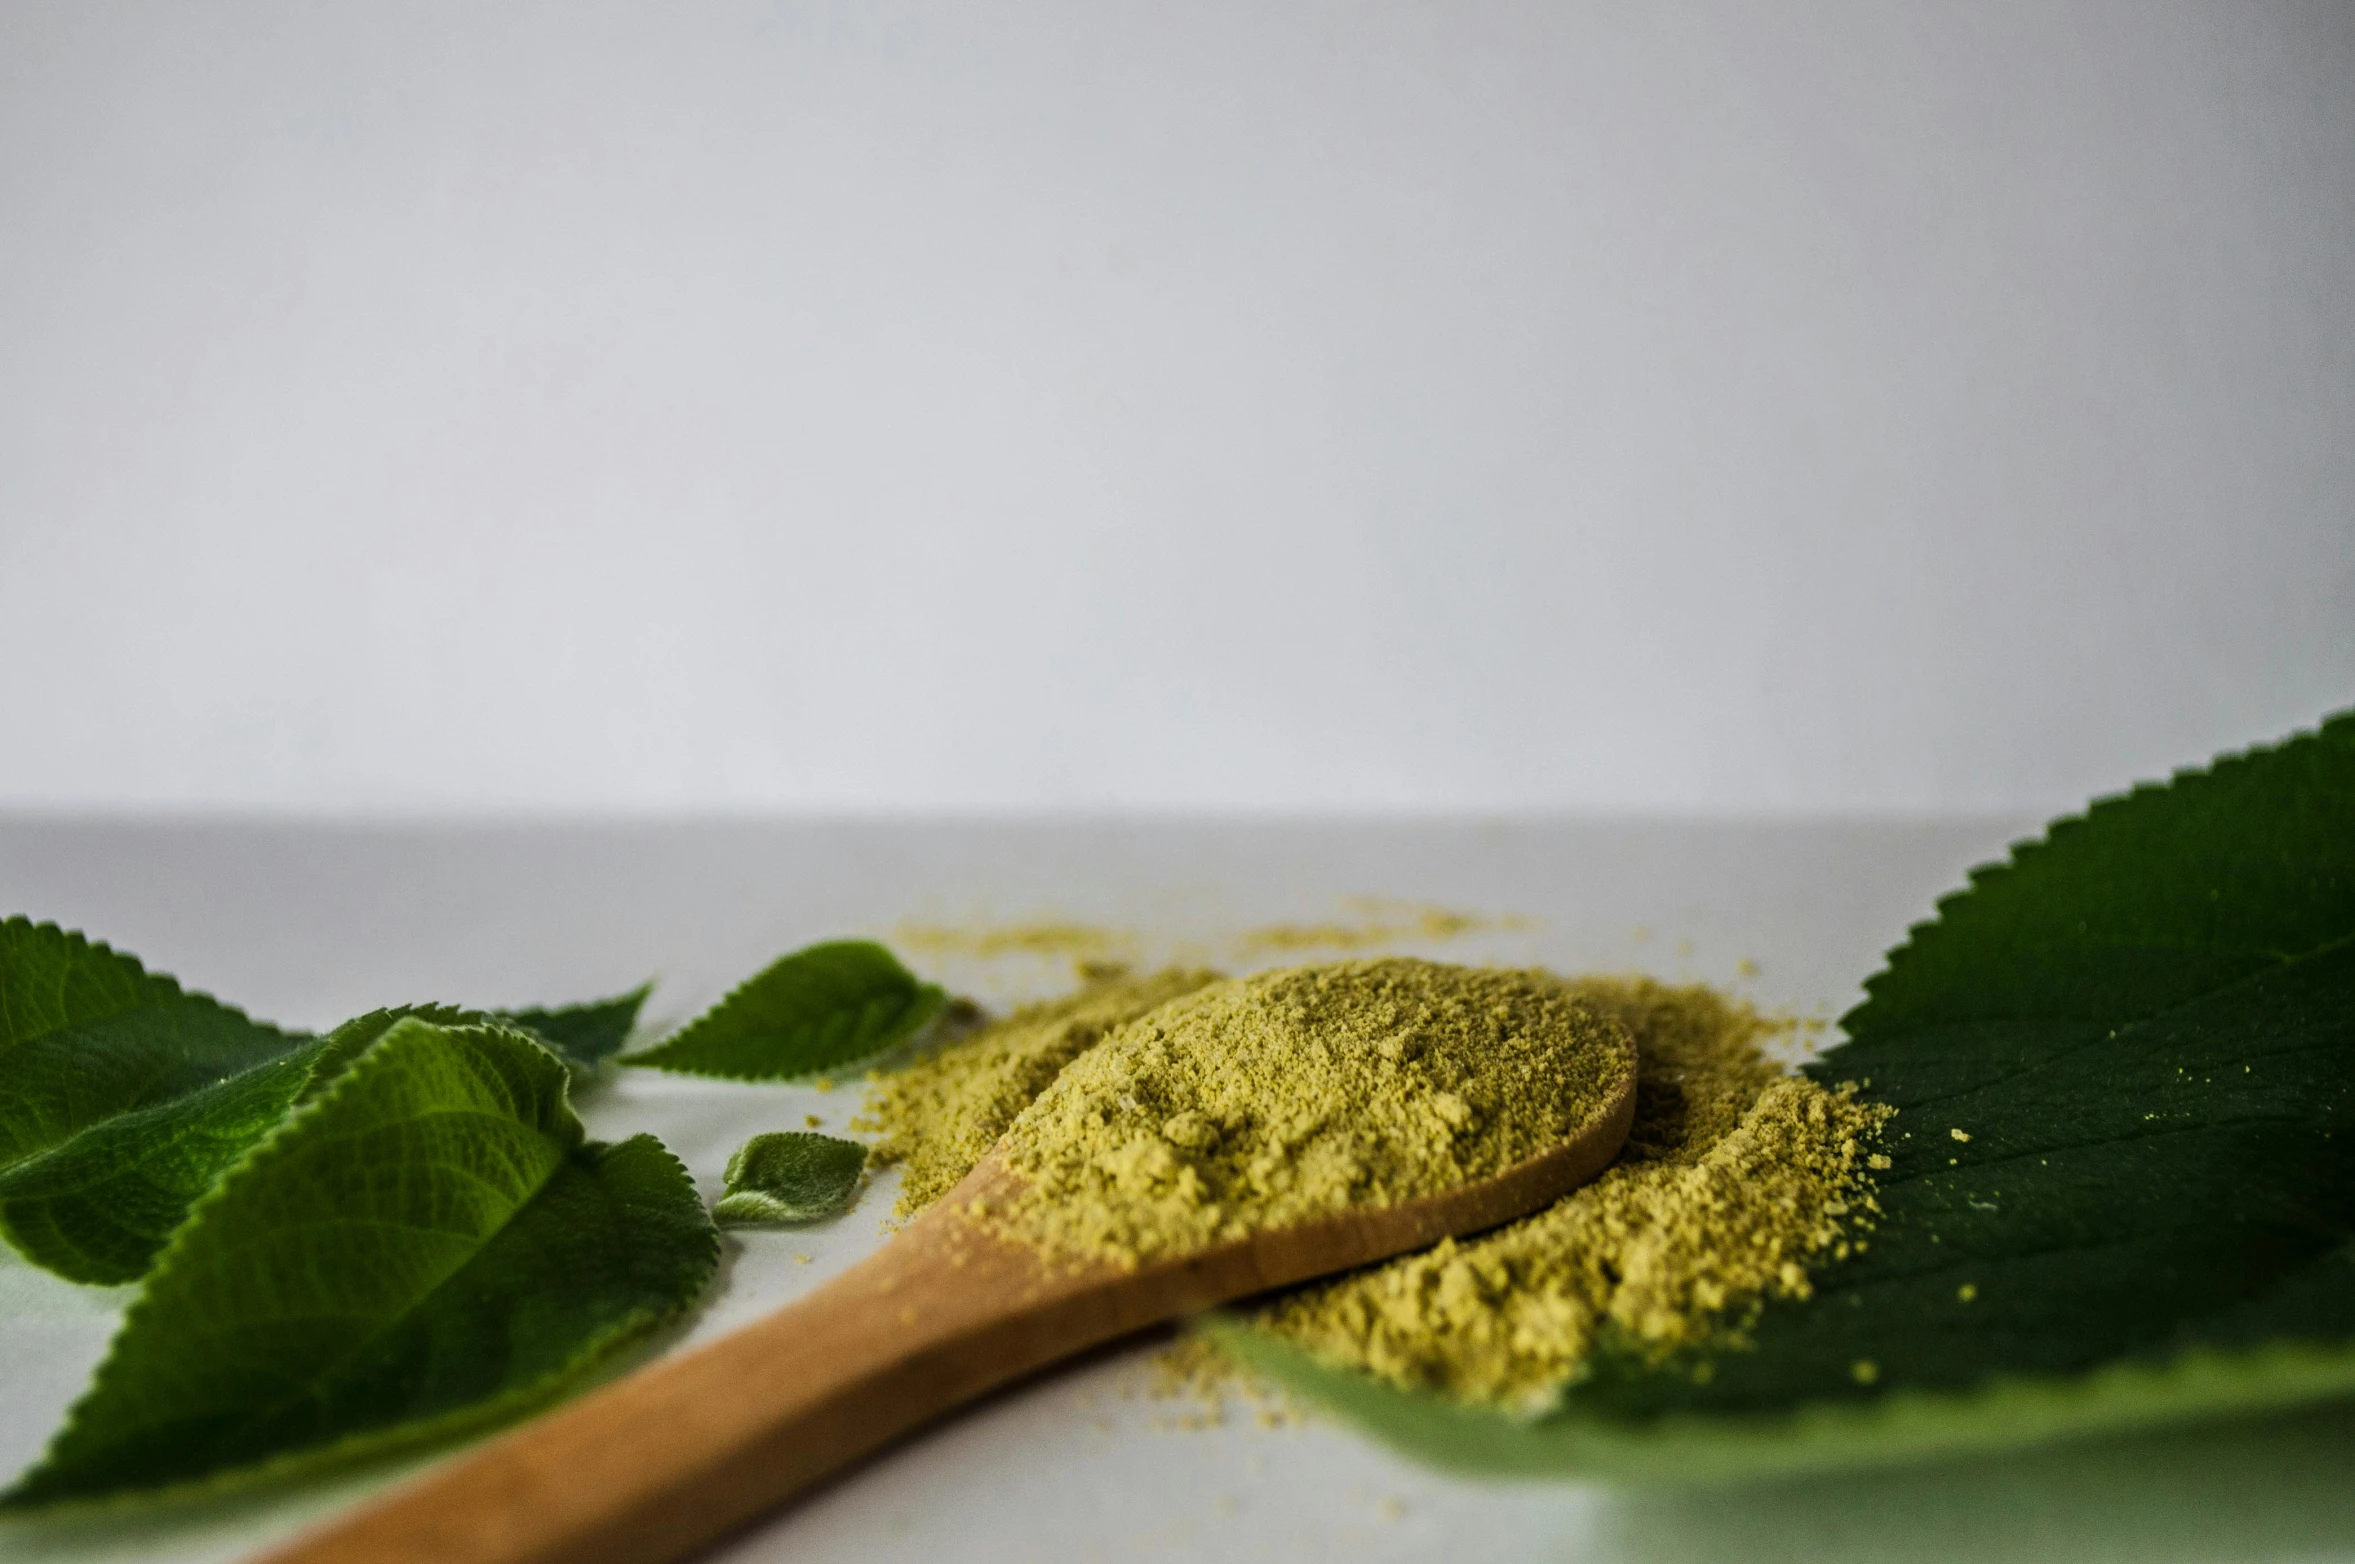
x=636 y=998
x=924 y=1006
x=177 y=988
x=351 y=1448
x=174 y=990
x=2028 y=848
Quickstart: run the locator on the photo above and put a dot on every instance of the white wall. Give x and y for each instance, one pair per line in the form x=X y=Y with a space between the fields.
x=1752 y=407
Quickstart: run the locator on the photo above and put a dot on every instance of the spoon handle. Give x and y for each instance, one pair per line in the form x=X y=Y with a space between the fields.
x=673 y=1457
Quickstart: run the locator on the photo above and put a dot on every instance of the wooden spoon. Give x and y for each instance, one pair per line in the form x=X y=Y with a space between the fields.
x=687 y=1449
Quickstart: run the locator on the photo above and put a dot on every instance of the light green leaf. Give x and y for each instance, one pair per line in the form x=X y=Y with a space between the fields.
x=427 y=1245
x=791 y=1176
x=2143 y=1027
x=823 y=1008
x=121 y=1097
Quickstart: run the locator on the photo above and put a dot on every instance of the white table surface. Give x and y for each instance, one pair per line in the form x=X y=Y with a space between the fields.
x=308 y=924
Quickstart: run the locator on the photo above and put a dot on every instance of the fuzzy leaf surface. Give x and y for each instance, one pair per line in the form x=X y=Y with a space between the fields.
x=425 y=1245
x=791 y=1176
x=2143 y=1027
x=822 y=1008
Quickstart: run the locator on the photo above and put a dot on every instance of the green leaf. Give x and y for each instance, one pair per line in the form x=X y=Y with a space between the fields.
x=427 y=1245
x=1902 y=1426
x=2143 y=1027
x=99 y=1207
x=790 y=1176
x=819 y=1009
x=87 y=1033
x=355 y=1037
x=585 y=1034
x=122 y=1096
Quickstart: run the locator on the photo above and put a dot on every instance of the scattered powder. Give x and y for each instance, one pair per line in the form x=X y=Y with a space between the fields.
x=989 y=941
x=1266 y=1101
x=1734 y=1177
x=939 y=1114
x=1383 y=923
x=1191 y=1368
x=1375 y=923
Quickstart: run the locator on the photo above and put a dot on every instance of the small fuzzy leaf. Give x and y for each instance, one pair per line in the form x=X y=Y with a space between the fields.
x=791 y=1176
x=425 y=1246
x=823 y=1008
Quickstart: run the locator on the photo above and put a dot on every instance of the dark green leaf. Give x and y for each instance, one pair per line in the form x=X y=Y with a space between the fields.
x=87 y=1033
x=791 y=1176
x=121 y=1097
x=99 y=1207
x=425 y=1246
x=1903 y=1425
x=819 y=1009
x=2143 y=1028
x=586 y=1034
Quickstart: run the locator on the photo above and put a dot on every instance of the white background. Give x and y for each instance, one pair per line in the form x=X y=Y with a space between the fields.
x=565 y=407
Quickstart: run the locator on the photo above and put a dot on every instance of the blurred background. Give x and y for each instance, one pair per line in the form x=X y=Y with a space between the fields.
x=842 y=406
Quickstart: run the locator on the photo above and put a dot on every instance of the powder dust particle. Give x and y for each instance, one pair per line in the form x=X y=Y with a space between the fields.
x=1191 y=1368
x=1380 y=923
x=1734 y=1178
x=1266 y=1101
x=938 y=1115
x=989 y=941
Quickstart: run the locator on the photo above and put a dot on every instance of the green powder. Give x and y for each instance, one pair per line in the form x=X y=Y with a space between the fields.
x=937 y=1116
x=1268 y=1101
x=1734 y=1178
